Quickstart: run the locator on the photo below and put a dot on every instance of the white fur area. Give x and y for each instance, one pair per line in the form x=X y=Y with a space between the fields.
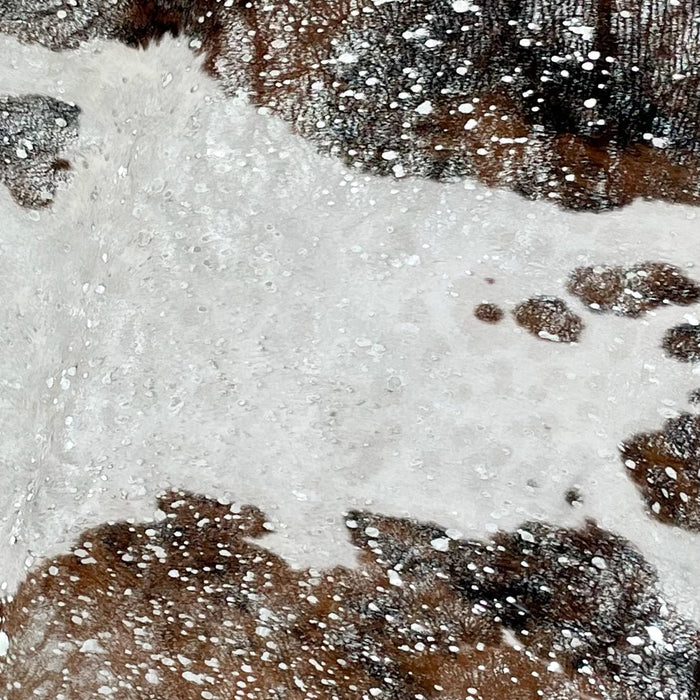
x=211 y=305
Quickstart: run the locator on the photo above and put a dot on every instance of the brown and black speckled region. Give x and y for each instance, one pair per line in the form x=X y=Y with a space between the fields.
x=632 y=290
x=34 y=131
x=683 y=342
x=665 y=467
x=549 y=318
x=189 y=608
x=589 y=103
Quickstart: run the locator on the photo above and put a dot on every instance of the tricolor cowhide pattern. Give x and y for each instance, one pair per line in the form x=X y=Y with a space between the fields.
x=589 y=103
x=188 y=607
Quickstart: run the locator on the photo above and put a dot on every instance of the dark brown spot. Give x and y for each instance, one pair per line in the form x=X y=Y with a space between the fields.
x=549 y=318
x=573 y=497
x=665 y=467
x=488 y=313
x=149 y=20
x=61 y=164
x=683 y=342
x=630 y=291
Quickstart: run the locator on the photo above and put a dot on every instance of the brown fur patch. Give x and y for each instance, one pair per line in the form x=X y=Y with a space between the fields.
x=683 y=342
x=488 y=313
x=549 y=318
x=483 y=92
x=632 y=290
x=189 y=608
x=665 y=467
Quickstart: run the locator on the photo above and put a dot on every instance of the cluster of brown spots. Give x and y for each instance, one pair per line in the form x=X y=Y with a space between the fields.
x=444 y=89
x=630 y=291
x=624 y=291
x=549 y=318
x=488 y=313
x=665 y=466
x=188 y=607
x=683 y=342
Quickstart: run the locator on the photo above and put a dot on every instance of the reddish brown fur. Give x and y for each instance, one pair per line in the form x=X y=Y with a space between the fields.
x=341 y=633
x=665 y=465
x=188 y=608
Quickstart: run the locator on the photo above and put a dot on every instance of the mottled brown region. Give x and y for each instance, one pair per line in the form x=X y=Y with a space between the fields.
x=488 y=313
x=189 y=608
x=632 y=290
x=588 y=103
x=683 y=342
x=549 y=318
x=665 y=467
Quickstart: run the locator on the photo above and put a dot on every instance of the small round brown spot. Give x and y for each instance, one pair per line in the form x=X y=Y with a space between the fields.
x=488 y=313
x=683 y=343
x=549 y=318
